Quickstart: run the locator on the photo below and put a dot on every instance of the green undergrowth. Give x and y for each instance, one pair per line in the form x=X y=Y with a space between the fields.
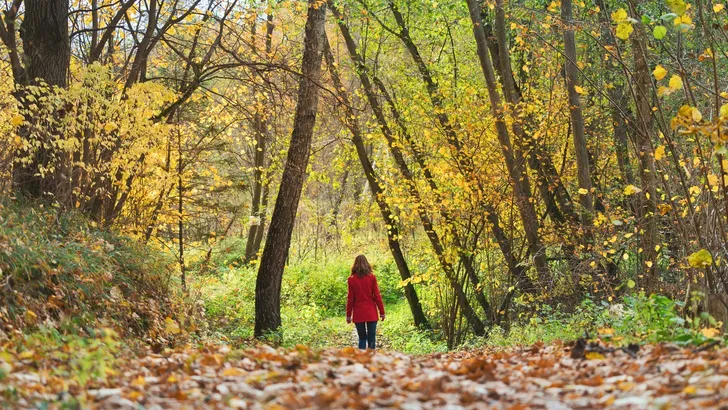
x=637 y=318
x=313 y=305
x=313 y=300
x=58 y=270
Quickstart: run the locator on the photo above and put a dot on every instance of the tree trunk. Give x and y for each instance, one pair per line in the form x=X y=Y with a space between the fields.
x=270 y=273
x=393 y=234
x=577 y=119
x=260 y=125
x=47 y=56
x=643 y=90
x=516 y=171
x=263 y=214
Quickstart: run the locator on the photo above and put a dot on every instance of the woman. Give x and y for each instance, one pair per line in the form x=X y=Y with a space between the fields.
x=363 y=302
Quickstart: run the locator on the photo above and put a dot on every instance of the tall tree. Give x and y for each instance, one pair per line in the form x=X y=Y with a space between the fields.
x=47 y=57
x=643 y=142
x=577 y=119
x=516 y=171
x=275 y=253
x=260 y=127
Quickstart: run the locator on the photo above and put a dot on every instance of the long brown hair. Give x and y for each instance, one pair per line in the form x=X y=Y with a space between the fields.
x=361 y=267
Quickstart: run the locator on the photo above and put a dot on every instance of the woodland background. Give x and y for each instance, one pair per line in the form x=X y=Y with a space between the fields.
x=518 y=171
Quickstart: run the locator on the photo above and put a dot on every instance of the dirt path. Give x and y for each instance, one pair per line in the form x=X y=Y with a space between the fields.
x=264 y=378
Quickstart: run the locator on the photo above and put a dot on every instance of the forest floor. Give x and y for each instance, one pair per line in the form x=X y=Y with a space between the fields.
x=553 y=376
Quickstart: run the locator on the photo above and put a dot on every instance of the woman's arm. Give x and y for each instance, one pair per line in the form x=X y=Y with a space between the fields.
x=349 y=303
x=378 y=297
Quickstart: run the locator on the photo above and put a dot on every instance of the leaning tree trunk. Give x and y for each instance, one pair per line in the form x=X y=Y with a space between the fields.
x=516 y=171
x=477 y=325
x=275 y=253
x=47 y=55
x=393 y=234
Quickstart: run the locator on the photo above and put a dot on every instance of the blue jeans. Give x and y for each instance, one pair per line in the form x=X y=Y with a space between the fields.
x=367 y=334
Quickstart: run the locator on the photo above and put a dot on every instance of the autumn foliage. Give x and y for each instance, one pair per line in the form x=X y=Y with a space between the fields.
x=512 y=164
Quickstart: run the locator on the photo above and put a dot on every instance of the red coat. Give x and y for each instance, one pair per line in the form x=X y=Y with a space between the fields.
x=364 y=299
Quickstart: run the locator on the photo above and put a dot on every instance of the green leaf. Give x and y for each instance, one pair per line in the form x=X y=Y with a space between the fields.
x=668 y=17
x=659 y=32
x=646 y=19
x=721 y=149
x=631 y=284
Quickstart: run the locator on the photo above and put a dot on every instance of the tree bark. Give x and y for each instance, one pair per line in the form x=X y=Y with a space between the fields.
x=619 y=103
x=47 y=56
x=275 y=253
x=642 y=92
x=577 y=119
x=260 y=125
x=518 y=176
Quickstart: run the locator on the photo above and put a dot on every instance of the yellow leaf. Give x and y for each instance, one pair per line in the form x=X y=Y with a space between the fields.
x=139 y=381
x=171 y=326
x=580 y=90
x=17 y=120
x=583 y=191
x=659 y=152
x=695 y=114
x=631 y=190
x=690 y=390
x=712 y=179
x=659 y=72
x=619 y=15
x=232 y=372
x=30 y=316
x=724 y=112
x=700 y=259
x=624 y=30
x=676 y=82
x=710 y=332
x=649 y=264
x=717 y=8
x=110 y=127
x=594 y=356
x=134 y=395
x=606 y=331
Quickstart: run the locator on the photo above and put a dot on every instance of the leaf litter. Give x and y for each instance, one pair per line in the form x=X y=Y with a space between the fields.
x=553 y=377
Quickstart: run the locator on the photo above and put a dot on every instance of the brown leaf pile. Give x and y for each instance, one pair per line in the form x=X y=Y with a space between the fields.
x=540 y=377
